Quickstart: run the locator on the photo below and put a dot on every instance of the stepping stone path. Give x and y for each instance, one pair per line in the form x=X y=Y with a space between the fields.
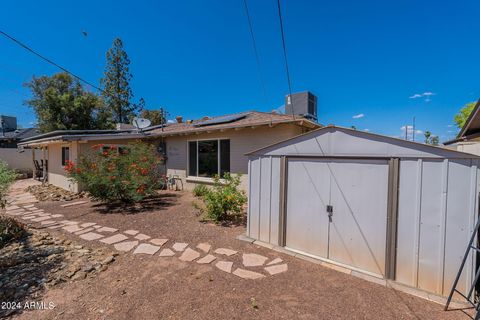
x=166 y=253
x=247 y=274
x=253 y=260
x=276 y=269
x=205 y=247
x=91 y=236
x=225 y=266
x=131 y=232
x=159 y=242
x=207 y=259
x=146 y=248
x=21 y=204
x=227 y=252
x=142 y=236
x=179 y=246
x=189 y=255
x=126 y=245
x=114 y=239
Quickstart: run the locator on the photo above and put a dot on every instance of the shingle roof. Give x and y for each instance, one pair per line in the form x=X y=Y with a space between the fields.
x=251 y=118
x=19 y=134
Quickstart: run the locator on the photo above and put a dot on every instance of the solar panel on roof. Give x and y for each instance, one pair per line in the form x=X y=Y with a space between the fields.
x=222 y=119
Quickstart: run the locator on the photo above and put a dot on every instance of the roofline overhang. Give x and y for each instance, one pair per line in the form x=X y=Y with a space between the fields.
x=69 y=138
x=470 y=118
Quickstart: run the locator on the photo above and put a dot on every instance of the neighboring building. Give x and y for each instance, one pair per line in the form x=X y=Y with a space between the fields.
x=10 y=135
x=468 y=139
x=194 y=150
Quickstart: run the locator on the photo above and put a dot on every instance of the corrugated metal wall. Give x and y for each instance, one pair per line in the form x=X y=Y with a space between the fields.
x=436 y=214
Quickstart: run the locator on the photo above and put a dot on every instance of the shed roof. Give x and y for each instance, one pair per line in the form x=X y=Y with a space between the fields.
x=339 y=141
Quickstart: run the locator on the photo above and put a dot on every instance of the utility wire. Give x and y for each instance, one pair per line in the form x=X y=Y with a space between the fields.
x=262 y=81
x=59 y=66
x=285 y=57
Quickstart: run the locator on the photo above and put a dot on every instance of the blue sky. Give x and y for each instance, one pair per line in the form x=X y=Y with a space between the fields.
x=196 y=58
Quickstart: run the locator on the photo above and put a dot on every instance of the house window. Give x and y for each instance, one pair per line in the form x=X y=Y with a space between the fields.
x=207 y=158
x=65 y=155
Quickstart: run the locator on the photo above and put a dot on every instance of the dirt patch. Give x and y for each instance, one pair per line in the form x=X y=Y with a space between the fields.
x=153 y=287
x=36 y=262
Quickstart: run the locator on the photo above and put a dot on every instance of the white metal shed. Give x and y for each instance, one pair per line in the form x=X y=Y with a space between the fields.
x=381 y=206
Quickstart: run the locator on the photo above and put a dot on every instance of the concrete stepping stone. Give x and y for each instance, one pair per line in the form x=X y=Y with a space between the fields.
x=253 y=260
x=146 y=248
x=55 y=226
x=97 y=227
x=57 y=215
x=159 y=242
x=225 y=251
x=126 y=245
x=205 y=247
x=66 y=205
x=72 y=228
x=114 y=239
x=142 y=236
x=28 y=205
x=189 y=255
x=41 y=219
x=179 y=246
x=225 y=266
x=107 y=229
x=276 y=269
x=166 y=253
x=131 y=232
x=274 y=261
x=87 y=224
x=209 y=258
x=247 y=274
x=91 y=236
x=84 y=231
x=48 y=222
x=69 y=223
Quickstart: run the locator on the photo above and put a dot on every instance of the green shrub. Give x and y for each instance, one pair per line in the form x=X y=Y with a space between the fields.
x=224 y=198
x=7 y=176
x=200 y=190
x=128 y=174
x=10 y=229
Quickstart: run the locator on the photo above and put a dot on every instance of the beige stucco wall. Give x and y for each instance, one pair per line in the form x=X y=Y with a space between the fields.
x=17 y=160
x=469 y=147
x=56 y=173
x=241 y=142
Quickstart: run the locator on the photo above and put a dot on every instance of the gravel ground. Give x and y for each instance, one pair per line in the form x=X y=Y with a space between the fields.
x=150 y=287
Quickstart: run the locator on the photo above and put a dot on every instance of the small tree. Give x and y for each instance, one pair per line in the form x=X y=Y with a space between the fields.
x=127 y=174
x=224 y=198
x=7 y=176
x=431 y=139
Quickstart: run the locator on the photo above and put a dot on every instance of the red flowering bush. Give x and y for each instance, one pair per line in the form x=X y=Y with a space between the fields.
x=129 y=173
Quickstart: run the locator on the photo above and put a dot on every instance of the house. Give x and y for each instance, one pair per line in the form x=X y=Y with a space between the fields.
x=10 y=135
x=195 y=150
x=395 y=212
x=468 y=139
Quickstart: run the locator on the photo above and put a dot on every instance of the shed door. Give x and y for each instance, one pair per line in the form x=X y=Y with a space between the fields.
x=357 y=191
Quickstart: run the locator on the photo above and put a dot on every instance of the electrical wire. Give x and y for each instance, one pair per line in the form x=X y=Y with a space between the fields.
x=285 y=57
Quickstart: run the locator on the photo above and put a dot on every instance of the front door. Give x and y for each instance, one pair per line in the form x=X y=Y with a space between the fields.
x=337 y=209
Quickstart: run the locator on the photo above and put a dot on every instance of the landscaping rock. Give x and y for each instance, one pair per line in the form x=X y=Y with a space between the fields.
x=126 y=245
x=225 y=266
x=91 y=236
x=205 y=247
x=209 y=258
x=272 y=270
x=146 y=248
x=166 y=253
x=253 y=260
x=131 y=232
x=189 y=255
x=159 y=242
x=179 y=246
x=114 y=239
x=224 y=251
x=142 y=236
x=107 y=229
x=247 y=274
x=275 y=261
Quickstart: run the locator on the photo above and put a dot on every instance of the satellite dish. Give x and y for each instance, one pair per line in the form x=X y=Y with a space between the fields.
x=141 y=123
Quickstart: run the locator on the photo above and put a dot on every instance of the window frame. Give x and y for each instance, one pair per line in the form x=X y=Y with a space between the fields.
x=219 y=169
x=63 y=158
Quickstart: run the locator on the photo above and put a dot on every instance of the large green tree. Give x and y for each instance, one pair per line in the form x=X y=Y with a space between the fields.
x=155 y=116
x=116 y=84
x=462 y=116
x=61 y=103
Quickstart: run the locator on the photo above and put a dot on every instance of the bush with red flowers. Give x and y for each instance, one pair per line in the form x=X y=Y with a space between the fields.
x=128 y=174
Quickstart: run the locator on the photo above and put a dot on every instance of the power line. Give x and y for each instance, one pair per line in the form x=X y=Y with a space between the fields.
x=60 y=67
x=285 y=57
x=262 y=81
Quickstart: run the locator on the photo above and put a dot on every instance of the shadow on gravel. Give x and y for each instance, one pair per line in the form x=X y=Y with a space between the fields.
x=160 y=202
x=24 y=270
